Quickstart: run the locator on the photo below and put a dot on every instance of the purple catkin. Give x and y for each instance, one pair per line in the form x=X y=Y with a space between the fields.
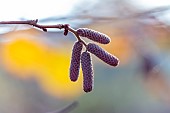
x=102 y=54
x=93 y=35
x=75 y=61
x=86 y=64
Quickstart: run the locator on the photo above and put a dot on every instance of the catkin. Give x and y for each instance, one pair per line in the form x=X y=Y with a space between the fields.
x=102 y=54
x=75 y=61
x=87 y=69
x=93 y=35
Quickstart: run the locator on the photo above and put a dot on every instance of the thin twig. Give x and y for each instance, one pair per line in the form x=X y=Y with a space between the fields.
x=78 y=37
x=66 y=27
x=34 y=23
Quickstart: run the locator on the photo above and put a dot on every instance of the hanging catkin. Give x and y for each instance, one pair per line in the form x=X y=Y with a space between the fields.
x=102 y=54
x=75 y=61
x=93 y=35
x=86 y=64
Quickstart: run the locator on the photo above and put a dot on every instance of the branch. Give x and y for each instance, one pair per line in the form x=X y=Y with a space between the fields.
x=77 y=54
x=33 y=23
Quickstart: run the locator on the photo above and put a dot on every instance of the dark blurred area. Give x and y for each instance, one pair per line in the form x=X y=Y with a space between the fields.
x=34 y=73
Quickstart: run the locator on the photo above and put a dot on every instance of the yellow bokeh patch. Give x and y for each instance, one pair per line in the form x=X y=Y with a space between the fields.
x=48 y=65
x=21 y=56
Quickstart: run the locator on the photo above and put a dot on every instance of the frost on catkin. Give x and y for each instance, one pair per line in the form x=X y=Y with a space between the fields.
x=87 y=69
x=102 y=54
x=93 y=35
x=75 y=61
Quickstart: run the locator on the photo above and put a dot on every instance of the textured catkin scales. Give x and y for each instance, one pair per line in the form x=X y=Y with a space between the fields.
x=93 y=35
x=87 y=69
x=102 y=54
x=75 y=61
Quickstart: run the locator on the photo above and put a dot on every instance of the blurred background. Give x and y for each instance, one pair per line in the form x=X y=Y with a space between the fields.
x=34 y=65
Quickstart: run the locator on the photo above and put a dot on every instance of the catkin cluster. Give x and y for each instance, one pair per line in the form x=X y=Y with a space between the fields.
x=85 y=59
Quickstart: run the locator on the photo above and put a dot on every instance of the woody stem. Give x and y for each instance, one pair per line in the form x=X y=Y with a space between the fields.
x=44 y=27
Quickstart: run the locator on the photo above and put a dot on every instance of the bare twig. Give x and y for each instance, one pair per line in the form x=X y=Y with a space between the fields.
x=75 y=33
x=66 y=27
